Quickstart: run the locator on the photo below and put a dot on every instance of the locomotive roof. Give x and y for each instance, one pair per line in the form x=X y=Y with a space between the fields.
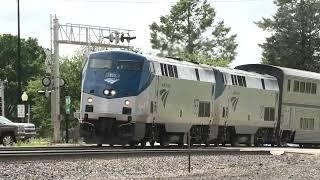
x=177 y=62
x=286 y=71
x=244 y=73
x=299 y=73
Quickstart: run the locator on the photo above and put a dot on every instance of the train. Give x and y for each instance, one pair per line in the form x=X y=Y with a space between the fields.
x=130 y=98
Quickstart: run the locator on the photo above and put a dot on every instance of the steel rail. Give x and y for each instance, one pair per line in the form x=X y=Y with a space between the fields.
x=115 y=153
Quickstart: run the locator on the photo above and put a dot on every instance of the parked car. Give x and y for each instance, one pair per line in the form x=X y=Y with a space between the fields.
x=8 y=133
x=18 y=131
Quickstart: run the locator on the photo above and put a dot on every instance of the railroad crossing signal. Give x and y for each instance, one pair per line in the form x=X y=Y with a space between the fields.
x=68 y=104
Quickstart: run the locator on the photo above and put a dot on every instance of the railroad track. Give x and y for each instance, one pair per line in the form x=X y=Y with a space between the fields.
x=42 y=153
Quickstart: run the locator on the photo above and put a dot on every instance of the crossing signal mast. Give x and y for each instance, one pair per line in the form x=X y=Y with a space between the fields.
x=76 y=34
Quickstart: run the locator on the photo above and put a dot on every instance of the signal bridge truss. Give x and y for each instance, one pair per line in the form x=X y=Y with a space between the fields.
x=96 y=36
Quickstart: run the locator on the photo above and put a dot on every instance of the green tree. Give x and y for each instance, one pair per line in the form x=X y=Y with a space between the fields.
x=295 y=38
x=40 y=108
x=70 y=70
x=32 y=63
x=190 y=32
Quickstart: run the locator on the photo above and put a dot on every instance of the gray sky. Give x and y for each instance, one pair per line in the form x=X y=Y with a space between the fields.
x=133 y=14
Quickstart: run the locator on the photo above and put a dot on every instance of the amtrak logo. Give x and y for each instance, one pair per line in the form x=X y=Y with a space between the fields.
x=111 y=77
x=164 y=95
x=234 y=101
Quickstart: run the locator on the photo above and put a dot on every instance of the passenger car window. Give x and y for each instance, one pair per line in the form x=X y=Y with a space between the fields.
x=296 y=86
x=288 y=85
x=313 y=88
x=302 y=87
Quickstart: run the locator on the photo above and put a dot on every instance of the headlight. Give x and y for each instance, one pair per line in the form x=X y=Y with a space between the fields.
x=90 y=100
x=113 y=92
x=106 y=92
x=127 y=102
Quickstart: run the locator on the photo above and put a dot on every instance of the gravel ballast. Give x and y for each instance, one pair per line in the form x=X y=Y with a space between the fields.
x=286 y=166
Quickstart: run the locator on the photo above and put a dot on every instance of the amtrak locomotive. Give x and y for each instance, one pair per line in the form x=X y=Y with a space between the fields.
x=129 y=98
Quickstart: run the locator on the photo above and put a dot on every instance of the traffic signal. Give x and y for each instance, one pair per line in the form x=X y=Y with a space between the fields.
x=128 y=38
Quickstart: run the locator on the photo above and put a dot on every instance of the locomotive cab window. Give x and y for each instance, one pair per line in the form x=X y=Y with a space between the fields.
x=129 y=65
x=100 y=63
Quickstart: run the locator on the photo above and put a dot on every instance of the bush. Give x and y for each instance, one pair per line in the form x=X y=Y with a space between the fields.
x=34 y=142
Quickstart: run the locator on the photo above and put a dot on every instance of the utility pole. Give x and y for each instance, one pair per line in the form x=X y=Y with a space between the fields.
x=2 y=87
x=18 y=56
x=55 y=92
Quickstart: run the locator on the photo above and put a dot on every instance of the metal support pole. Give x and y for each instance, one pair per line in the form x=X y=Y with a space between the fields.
x=18 y=55
x=67 y=128
x=55 y=93
x=2 y=87
x=29 y=112
x=189 y=152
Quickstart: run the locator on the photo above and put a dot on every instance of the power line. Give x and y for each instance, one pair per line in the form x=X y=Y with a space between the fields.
x=153 y=2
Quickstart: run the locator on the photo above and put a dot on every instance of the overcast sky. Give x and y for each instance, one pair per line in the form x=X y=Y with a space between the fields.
x=133 y=14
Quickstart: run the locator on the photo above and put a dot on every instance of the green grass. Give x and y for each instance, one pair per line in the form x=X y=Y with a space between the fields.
x=34 y=142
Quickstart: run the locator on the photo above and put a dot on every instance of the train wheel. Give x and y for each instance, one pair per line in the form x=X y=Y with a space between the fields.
x=143 y=143
x=163 y=140
x=132 y=144
x=162 y=143
x=207 y=143
x=151 y=143
x=300 y=145
x=180 y=144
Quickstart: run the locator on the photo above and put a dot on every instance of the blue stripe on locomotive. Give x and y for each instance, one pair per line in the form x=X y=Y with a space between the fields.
x=131 y=83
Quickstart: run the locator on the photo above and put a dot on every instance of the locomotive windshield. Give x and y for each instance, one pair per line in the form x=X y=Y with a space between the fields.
x=100 y=64
x=124 y=72
x=129 y=65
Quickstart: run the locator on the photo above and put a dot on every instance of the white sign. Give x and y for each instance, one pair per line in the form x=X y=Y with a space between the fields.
x=21 y=111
